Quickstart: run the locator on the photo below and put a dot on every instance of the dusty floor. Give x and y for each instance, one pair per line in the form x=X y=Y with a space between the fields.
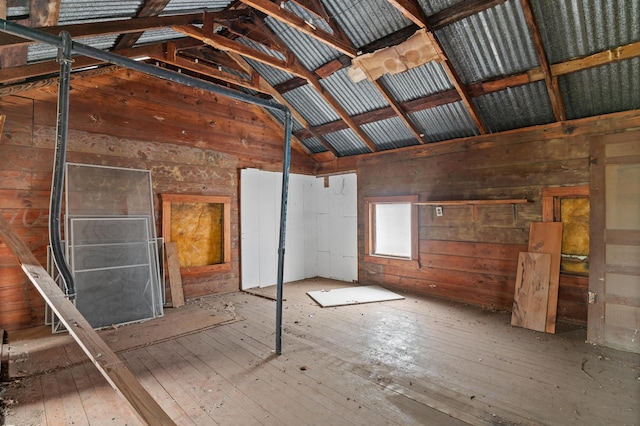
x=413 y=361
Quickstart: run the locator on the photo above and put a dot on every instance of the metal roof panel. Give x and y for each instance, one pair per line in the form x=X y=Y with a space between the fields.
x=366 y=21
x=444 y=122
x=355 y=98
x=489 y=44
x=311 y=105
x=418 y=82
x=602 y=90
x=390 y=133
x=521 y=106
x=346 y=142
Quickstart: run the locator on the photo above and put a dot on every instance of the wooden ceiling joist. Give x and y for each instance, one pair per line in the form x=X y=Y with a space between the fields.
x=228 y=45
x=399 y=111
x=38 y=69
x=413 y=11
x=172 y=57
x=148 y=8
x=291 y=19
x=551 y=81
x=264 y=85
x=108 y=27
x=317 y=8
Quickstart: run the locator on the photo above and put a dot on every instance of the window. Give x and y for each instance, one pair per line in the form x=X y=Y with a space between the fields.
x=201 y=228
x=570 y=205
x=391 y=229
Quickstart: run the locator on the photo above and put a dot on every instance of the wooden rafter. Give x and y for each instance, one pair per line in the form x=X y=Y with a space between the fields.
x=551 y=81
x=441 y=19
x=294 y=21
x=133 y=25
x=38 y=69
x=267 y=88
x=459 y=11
x=399 y=111
x=228 y=45
x=171 y=56
x=317 y=8
x=148 y=8
x=44 y=13
x=297 y=68
x=413 y=11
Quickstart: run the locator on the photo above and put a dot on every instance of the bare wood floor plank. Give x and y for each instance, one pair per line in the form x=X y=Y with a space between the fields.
x=224 y=396
x=415 y=361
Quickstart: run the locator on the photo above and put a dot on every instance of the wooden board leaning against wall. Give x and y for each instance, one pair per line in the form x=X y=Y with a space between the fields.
x=474 y=259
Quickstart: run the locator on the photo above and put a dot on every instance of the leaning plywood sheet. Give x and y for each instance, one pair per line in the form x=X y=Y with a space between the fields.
x=353 y=296
x=532 y=291
x=546 y=237
x=114 y=370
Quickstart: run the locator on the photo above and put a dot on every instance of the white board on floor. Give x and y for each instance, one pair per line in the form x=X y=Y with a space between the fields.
x=353 y=296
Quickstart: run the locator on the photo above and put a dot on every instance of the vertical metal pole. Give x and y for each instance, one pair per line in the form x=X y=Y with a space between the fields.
x=55 y=206
x=286 y=162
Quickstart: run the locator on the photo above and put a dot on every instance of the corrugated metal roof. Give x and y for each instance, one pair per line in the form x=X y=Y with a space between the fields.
x=520 y=106
x=311 y=105
x=582 y=27
x=314 y=145
x=309 y=51
x=366 y=21
x=39 y=52
x=307 y=16
x=84 y=11
x=444 y=122
x=151 y=36
x=272 y=75
x=191 y=5
x=418 y=82
x=431 y=7
x=390 y=133
x=355 y=98
x=346 y=142
x=489 y=44
x=601 y=90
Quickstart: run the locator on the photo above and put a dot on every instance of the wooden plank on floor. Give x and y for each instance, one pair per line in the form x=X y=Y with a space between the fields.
x=96 y=349
x=175 y=280
x=532 y=291
x=546 y=237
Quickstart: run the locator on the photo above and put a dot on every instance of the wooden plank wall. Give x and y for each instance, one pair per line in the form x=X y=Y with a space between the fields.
x=193 y=142
x=469 y=258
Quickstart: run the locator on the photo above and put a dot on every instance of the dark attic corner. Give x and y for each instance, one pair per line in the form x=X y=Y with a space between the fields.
x=319 y=212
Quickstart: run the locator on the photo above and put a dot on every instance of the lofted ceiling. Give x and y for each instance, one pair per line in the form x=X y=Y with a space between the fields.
x=495 y=65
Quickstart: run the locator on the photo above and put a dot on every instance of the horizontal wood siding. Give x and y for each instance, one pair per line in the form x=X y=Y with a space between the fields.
x=191 y=141
x=470 y=253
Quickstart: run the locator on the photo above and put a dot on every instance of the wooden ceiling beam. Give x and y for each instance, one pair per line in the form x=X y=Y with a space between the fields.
x=317 y=8
x=551 y=81
x=8 y=75
x=44 y=13
x=264 y=85
x=459 y=11
x=294 y=66
x=441 y=19
x=108 y=27
x=616 y=54
x=228 y=45
x=409 y=107
x=413 y=11
x=171 y=57
x=399 y=111
x=148 y=8
x=291 y=19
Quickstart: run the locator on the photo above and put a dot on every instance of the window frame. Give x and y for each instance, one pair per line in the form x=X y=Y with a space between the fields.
x=369 y=231
x=168 y=199
x=551 y=201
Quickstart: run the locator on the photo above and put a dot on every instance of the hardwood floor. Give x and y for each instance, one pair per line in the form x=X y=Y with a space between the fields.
x=415 y=361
